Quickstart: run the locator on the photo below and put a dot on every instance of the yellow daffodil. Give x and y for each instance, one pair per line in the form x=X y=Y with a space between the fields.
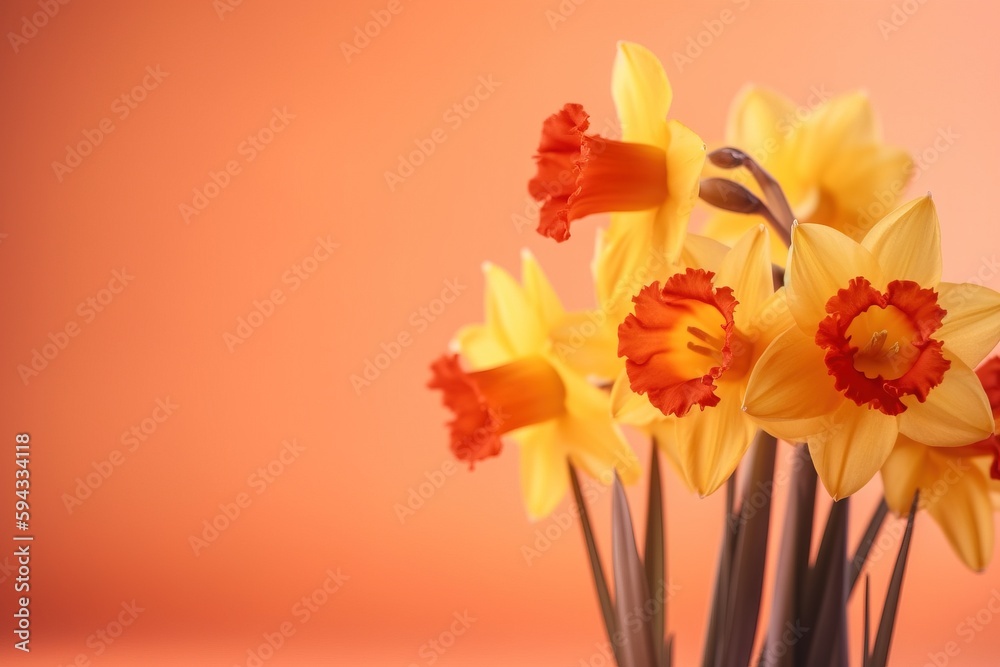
x=830 y=161
x=955 y=483
x=652 y=173
x=644 y=242
x=689 y=346
x=880 y=348
x=517 y=385
x=954 y=487
x=622 y=265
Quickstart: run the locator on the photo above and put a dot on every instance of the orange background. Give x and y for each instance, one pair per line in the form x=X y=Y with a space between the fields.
x=322 y=175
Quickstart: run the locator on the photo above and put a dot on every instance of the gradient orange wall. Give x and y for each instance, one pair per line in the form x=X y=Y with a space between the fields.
x=288 y=135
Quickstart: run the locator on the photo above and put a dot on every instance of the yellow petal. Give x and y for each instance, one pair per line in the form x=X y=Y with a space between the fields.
x=642 y=95
x=747 y=269
x=685 y=160
x=860 y=186
x=729 y=227
x=544 y=468
x=953 y=489
x=513 y=321
x=821 y=262
x=480 y=347
x=907 y=243
x=593 y=441
x=588 y=342
x=629 y=407
x=711 y=442
x=843 y=122
x=971 y=329
x=759 y=121
x=957 y=496
x=956 y=412
x=600 y=450
x=790 y=381
x=625 y=262
x=771 y=319
x=538 y=290
x=849 y=454
x=766 y=125
x=702 y=252
x=795 y=430
x=901 y=474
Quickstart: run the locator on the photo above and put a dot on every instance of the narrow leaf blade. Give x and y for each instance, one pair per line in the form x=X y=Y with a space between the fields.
x=793 y=561
x=819 y=576
x=631 y=589
x=720 y=595
x=865 y=546
x=880 y=654
x=597 y=570
x=750 y=557
x=654 y=555
x=868 y=623
x=829 y=628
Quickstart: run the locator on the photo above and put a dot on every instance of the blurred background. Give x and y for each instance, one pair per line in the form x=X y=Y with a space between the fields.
x=219 y=312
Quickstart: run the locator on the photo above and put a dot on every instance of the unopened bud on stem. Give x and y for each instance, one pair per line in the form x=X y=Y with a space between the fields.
x=733 y=158
x=731 y=196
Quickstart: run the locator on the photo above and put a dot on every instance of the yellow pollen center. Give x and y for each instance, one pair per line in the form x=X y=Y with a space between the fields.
x=884 y=339
x=698 y=331
x=712 y=347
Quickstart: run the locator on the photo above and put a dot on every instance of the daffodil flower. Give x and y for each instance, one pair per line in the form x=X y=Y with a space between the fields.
x=622 y=265
x=989 y=375
x=880 y=347
x=513 y=383
x=955 y=483
x=831 y=162
x=954 y=487
x=689 y=346
x=652 y=172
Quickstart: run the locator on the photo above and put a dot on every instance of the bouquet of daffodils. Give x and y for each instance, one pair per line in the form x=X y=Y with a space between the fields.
x=808 y=311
